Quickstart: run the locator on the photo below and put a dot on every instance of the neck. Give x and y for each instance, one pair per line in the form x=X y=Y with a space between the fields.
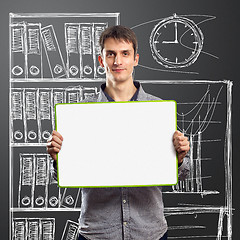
x=120 y=91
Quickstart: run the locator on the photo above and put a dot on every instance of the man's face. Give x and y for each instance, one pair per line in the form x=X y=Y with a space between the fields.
x=118 y=60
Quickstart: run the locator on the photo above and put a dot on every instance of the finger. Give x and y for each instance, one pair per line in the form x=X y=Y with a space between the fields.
x=53 y=144
x=56 y=139
x=178 y=138
x=53 y=151
x=182 y=143
x=183 y=149
x=49 y=139
x=55 y=133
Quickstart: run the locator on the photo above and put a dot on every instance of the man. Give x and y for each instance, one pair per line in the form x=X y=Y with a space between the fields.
x=123 y=213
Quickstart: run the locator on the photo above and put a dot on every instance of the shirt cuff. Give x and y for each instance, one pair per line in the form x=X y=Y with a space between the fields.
x=183 y=164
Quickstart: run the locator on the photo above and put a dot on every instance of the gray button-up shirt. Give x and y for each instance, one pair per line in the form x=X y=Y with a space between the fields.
x=127 y=212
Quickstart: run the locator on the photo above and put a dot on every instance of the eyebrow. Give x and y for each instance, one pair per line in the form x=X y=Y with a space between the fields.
x=112 y=51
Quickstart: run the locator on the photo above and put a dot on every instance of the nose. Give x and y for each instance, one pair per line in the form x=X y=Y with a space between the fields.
x=117 y=60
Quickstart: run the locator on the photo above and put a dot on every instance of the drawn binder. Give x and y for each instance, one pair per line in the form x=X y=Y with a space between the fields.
x=19 y=229
x=70 y=198
x=31 y=116
x=58 y=96
x=72 y=48
x=90 y=94
x=74 y=94
x=33 y=228
x=45 y=114
x=41 y=180
x=47 y=227
x=26 y=181
x=53 y=52
x=17 y=119
x=53 y=189
x=86 y=50
x=99 y=72
x=18 y=50
x=34 y=50
x=70 y=231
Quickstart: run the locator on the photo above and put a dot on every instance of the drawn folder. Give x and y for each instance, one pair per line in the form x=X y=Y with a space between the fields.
x=26 y=181
x=17 y=119
x=33 y=228
x=41 y=180
x=31 y=116
x=18 y=50
x=58 y=96
x=72 y=41
x=53 y=189
x=70 y=231
x=45 y=114
x=90 y=94
x=53 y=52
x=70 y=198
x=86 y=50
x=99 y=72
x=19 y=229
x=141 y=144
x=34 y=50
x=47 y=227
x=74 y=94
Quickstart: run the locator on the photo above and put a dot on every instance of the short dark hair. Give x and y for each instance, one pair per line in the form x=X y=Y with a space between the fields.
x=120 y=33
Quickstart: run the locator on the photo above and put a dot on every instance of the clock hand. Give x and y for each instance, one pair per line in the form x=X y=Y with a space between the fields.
x=176 y=35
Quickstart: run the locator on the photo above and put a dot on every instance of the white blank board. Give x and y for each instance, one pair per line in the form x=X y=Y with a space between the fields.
x=117 y=144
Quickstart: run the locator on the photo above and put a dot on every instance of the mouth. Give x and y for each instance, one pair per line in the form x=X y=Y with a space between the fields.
x=118 y=69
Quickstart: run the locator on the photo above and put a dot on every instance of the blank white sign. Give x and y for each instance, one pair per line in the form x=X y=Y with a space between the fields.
x=117 y=144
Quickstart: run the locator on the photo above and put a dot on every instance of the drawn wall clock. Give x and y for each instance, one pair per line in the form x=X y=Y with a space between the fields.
x=176 y=42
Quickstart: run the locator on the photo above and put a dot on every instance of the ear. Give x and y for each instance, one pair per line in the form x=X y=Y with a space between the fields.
x=100 y=59
x=136 y=60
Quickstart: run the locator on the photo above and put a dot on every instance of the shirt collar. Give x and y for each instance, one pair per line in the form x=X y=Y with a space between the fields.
x=109 y=99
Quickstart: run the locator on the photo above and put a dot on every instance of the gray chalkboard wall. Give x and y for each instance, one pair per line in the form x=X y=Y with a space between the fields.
x=196 y=66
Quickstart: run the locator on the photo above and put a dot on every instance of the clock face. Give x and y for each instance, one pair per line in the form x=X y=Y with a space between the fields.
x=176 y=42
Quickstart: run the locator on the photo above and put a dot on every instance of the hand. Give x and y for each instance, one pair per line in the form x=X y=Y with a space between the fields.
x=54 y=144
x=181 y=145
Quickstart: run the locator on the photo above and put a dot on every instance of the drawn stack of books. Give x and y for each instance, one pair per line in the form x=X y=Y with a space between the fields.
x=31 y=43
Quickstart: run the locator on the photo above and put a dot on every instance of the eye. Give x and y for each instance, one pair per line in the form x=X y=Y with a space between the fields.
x=109 y=54
x=125 y=53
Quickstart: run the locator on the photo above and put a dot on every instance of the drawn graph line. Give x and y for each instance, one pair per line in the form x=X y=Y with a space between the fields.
x=203 y=124
x=195 y=129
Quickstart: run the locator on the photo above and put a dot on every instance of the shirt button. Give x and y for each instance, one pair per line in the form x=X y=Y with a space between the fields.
x=124 y=223
x=124 y=201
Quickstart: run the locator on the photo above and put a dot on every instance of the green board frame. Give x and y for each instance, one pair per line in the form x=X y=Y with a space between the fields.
x=116 y=186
